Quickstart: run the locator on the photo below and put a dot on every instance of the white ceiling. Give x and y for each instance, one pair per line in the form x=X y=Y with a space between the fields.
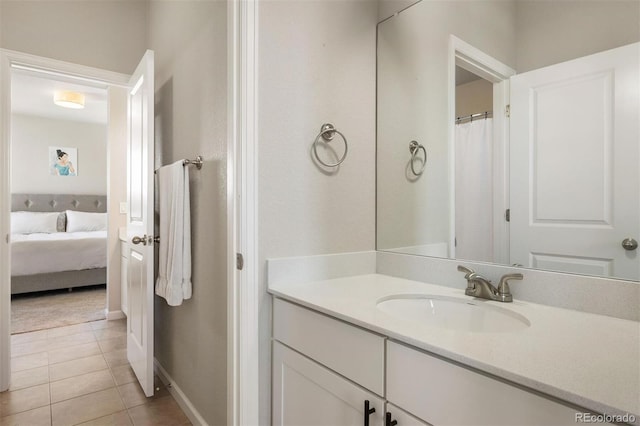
x=32 y=94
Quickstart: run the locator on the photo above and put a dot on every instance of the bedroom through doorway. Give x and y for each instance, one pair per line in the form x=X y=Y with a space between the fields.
x=59 y=209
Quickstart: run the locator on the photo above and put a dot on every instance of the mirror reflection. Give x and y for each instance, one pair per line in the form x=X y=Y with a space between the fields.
x=508 y=133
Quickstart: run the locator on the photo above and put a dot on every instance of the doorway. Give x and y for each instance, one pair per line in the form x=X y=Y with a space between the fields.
x=474 y=167
x=58 y=201
x=473 y=64
x=115 y=86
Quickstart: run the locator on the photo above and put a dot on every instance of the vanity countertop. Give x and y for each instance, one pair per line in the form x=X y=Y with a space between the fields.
x=589 y=360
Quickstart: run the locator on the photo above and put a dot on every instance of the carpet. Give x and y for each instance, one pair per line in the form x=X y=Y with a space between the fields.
x=57 y=308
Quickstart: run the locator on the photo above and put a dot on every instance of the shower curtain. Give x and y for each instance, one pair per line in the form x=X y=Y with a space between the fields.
x=474 y=190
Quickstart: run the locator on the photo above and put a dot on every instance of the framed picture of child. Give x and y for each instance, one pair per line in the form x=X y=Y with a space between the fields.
x=63 y=161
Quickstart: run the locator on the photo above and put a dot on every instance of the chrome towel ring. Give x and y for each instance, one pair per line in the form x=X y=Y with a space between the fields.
x=327 y=133
x=414 y=148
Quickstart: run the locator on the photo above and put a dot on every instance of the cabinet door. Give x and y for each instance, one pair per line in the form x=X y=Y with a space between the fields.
x=306 y=393
x=403 y=418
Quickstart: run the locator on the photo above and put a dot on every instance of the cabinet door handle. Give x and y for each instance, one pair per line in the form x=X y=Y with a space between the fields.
x=388 y=421
x=367 y=412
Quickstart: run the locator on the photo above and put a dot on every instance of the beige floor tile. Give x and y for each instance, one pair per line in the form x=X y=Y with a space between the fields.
x=28 y=378
x=118 y=419
x=27 y=362
x=12 y=402
x=123 y=374
x=37 y=417
x=159 y=412
x=76 y=367
x=87 y=407
x=81 y=385
x=73 y=352
x=116 y=358
x=33 y=336
x=110 y=345
x=69 y=329
x=29 y=348
x=109 y=333
x=70 y=340
x=132 y=394
x=98 y=325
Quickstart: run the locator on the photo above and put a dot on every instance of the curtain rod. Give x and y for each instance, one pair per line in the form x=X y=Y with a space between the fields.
x=480 y=115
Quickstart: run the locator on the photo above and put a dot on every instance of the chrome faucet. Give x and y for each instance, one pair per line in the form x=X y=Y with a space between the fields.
x=479 y=286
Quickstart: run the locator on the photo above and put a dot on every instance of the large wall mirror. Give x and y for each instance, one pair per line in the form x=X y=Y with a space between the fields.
x=509 y=131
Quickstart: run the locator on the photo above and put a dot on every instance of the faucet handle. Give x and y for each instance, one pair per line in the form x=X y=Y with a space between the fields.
x=503 y=287
x=467 y=271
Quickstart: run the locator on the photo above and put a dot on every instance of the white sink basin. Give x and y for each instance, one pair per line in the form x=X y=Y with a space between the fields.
x=453 y=313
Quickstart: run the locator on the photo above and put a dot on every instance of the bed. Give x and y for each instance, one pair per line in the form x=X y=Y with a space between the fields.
x=72 y=254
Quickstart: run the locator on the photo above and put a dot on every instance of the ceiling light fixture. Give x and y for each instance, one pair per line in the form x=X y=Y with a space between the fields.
x=69 y=99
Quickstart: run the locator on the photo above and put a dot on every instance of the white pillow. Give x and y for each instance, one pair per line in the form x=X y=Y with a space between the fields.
x=34 y=222
x=86 y=222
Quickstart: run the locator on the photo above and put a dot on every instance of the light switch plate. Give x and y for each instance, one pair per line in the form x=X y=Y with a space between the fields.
x=123 y=207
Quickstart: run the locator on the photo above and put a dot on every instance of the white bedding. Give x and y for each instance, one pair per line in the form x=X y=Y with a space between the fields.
x=57 y=252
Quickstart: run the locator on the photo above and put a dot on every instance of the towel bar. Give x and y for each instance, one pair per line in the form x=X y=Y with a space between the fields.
x=198 y=162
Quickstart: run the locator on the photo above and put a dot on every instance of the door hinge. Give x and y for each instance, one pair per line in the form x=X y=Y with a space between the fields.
x=507 y=215
x=507 y=111
x=239 y=261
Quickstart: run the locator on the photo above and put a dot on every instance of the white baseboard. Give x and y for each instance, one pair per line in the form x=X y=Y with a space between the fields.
x=115 y=315
x=182 y=400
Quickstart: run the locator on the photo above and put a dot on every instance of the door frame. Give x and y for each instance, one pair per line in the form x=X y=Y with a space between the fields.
x=476 y=61
x=8 y=60
x=243 y=292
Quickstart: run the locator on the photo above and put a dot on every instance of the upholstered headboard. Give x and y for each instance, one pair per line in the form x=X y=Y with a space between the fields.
x=58 y=203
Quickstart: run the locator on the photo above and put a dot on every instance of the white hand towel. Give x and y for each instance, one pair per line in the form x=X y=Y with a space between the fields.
x=174 y=268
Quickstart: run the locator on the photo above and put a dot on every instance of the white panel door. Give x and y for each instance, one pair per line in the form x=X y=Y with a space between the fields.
x=308 y=394
x=140 y=221
x=575 y=180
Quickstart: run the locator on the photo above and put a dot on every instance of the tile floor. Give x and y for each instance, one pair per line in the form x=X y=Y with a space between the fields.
x=79 y=375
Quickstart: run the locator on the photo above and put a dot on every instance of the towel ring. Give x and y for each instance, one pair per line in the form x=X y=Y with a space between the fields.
x=327 y=132
x=414 y=148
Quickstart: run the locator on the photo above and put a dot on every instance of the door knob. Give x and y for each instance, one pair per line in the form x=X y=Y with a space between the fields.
x=139 y=240
x=629 y=244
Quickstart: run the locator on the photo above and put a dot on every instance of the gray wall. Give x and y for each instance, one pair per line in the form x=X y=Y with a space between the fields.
x=189 y=39
x=110 y=35
x=31 y=138
x=474 y=97
x=550 y=32
x=387 y=8
x=317 y=65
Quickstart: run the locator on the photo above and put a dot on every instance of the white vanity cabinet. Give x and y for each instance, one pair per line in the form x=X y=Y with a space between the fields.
x=324 y=369
x=306 y=393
